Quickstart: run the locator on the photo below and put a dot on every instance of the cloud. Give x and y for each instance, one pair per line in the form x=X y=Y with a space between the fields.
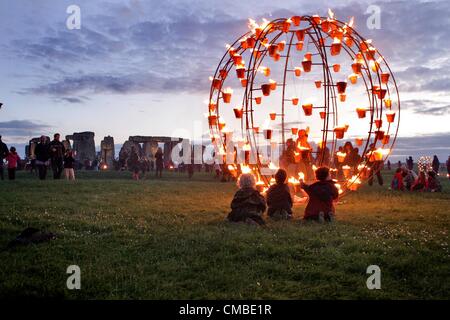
x=137 y=47
x=426 y=106
x=20 y=130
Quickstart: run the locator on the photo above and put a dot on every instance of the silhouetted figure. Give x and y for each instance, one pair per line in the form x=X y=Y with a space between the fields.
x=435 y=164
x=321 y=195
x=448 y=167
x=159 y=162
x=433 y=183
x=279 y=198
x=42 y=156
x=248 y=205
x=421 y=182
x=57 y=151
x=3 y=153
x=133 y=163
x=410 y=163
x=376 y=167
x=389 y=165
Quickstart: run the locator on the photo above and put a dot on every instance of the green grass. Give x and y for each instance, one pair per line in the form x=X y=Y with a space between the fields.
x=167 y=239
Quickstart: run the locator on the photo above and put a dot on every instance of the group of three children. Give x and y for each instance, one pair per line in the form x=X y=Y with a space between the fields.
x=248 y=205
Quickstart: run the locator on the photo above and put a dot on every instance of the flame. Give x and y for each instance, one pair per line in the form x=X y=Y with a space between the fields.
x=351 y=22
x=361 y=167
x=293 y=181
x=228 y=90
x=330 y=13
x=314 y=167
x=264 y=70
x=272 y=81
x=336 y=40
x=301 y=175
x=272 y=166
x=231 y=167
x=355 y=179
x=225 y=129
x=252 y=25
x=245 y=169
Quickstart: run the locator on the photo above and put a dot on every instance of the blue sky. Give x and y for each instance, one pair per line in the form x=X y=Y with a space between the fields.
x=142 y=67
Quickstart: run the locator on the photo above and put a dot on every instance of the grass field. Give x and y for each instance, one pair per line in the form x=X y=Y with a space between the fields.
x=167 y=239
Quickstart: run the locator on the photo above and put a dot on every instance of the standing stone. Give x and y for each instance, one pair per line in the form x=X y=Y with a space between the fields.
x=107 y=151
x=83 y=145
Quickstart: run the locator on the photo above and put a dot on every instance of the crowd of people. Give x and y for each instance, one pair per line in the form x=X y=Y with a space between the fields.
x=47 y=154
x=406 y=179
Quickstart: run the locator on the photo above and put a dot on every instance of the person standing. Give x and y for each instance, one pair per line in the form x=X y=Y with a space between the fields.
x=69 y=162
x=3 y=154
x=376 y=167
x=42 y=155
x=13 y=161
x=305 y=150
x=57 y=151
x=159 y=162
x=410 y=163
x=435 y=164
x=133 y=163
x=448 y=167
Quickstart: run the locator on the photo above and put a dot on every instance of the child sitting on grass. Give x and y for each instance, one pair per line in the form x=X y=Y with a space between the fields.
x=248 y=204
x=397 y=180
x=321 y=196
x=433 y=182
x=279 y=198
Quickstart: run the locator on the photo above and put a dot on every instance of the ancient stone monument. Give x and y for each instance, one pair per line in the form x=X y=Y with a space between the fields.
x=107 y=152
x=146 y=146
x=83 y=145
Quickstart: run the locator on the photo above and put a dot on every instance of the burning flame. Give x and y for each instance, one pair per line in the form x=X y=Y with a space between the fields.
x=245 y=169
x=330 y=13
x=228 y=90
x=272 y=166
x=351 y=22
x=301 y=176
x=293 y=181
x=264 y=70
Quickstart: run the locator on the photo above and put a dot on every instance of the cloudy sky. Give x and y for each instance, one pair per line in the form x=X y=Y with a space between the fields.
x=141 y=67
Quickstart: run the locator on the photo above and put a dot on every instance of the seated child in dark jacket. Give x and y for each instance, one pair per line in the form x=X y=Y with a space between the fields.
x=433 y=182
x=321 y=196
x=248 y=204
x=279 y=198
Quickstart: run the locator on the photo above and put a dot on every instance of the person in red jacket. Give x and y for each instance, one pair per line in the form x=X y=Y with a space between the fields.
x=397 y=180
x=321 y=195
x=13 y=160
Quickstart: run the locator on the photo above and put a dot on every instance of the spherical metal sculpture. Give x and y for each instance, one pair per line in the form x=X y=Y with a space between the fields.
x=331 y=84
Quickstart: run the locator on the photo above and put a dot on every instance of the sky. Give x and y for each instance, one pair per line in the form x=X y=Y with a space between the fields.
x=141 y=67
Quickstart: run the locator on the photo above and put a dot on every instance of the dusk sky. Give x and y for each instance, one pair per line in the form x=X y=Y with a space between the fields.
x=142 y=67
